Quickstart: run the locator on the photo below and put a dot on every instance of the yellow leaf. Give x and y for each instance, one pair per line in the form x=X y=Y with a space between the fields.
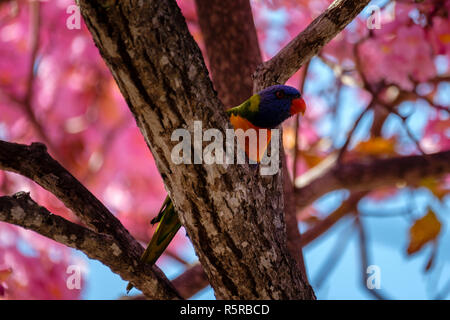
x=288 y=138
x=444 y=38
x=311 y=159
x=376 y=146
x=4 y=274
x=435 y=186
x=423 y=231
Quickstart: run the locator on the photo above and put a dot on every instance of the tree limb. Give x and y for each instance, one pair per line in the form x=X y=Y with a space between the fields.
x=324 y=225
x=368 y=175
x=307 y=43
x=35 y=163
x=21 y=210
x=191 y=281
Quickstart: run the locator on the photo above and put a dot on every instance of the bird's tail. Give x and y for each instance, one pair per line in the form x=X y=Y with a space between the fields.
x=168 y=226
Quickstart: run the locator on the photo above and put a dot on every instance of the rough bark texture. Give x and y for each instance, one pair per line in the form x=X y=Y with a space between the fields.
x=234 y=217
x=233 y=51
x=308 y=43
x=35 y=163
x=231 y=45
x=364 y=176
x=187 y=284
x=21 y=210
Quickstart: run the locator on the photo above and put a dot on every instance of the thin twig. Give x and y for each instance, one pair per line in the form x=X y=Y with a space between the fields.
x=433 y=105
x=324 y=225
x=333 y=258
x=352 y=131
x=35 y=22
x=297 y=124
x=405 y=126
x=365 y=259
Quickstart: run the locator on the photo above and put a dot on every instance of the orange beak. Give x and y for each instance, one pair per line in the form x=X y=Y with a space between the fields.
x=298 y=106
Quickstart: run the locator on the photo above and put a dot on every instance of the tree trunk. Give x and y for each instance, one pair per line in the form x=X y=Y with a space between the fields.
x=231 y=45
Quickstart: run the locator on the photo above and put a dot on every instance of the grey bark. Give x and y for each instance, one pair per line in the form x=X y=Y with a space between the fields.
x=35 y=163
x=21 y=210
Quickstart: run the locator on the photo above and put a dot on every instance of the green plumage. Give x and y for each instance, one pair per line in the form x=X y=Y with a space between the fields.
x=248 y=109
x=168 y=226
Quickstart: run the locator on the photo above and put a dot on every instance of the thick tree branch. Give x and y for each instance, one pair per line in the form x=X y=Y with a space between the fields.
x=191 y=281
x=187 y=284
x=21 y=210
x=368 y=175
x=308 y=43
x=35 y=163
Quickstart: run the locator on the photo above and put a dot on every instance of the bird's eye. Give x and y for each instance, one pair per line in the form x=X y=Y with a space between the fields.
x=279 y=94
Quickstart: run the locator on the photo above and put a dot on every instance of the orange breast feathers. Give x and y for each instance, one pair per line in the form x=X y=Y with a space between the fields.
x=245 y=144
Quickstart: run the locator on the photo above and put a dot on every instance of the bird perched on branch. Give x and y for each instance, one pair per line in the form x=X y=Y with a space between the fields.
x=264 y=110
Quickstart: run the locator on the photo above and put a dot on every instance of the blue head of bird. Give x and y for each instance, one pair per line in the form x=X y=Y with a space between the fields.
x=278 y=103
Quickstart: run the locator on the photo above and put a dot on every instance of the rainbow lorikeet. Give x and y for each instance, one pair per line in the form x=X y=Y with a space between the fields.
x=264 y=110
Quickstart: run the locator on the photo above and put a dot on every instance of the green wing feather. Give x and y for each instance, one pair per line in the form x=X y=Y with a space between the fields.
x=168 y=226
x=248 y=109
x=164 y=233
